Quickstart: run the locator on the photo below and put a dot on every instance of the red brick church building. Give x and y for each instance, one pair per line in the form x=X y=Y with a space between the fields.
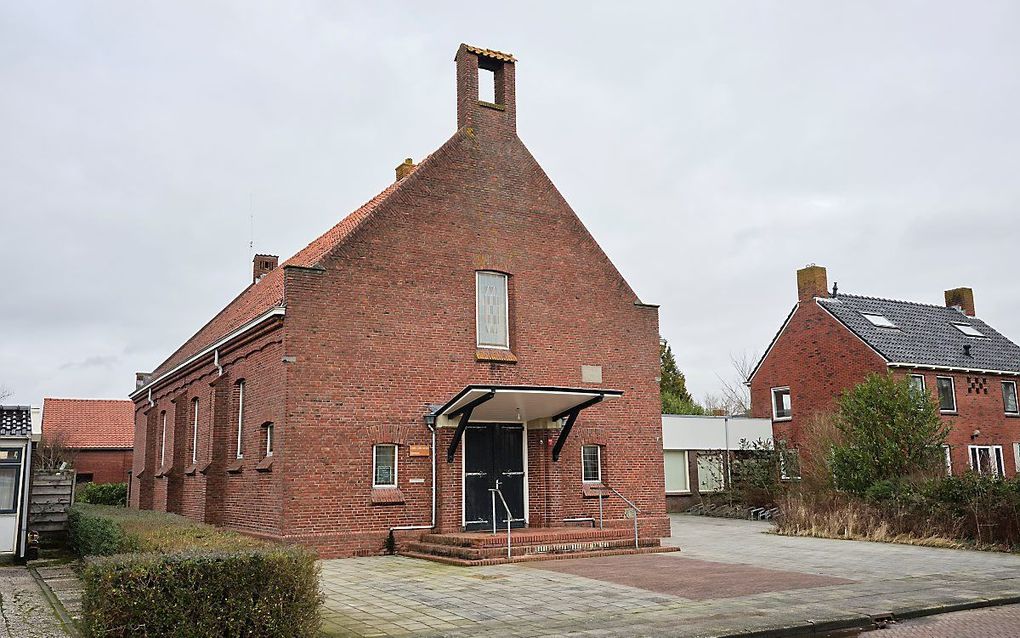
x=460 y=333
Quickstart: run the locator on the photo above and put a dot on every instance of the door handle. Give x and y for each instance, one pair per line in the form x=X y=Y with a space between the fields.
x=475 y=473
x=513 y=473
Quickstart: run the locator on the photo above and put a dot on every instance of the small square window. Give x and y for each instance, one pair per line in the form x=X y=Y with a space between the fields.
x=781 y=406
x=591 y=463
x=880 y=321
x=1009 y=402
x=968 y=330
x=917 y=382
x=384 y=466
x=947 y=394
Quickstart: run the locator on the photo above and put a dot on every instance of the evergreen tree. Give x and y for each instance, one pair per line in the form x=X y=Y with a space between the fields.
x=673 y=386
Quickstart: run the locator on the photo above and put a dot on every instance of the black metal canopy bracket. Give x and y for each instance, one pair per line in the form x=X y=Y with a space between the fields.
x=465 y=415
x=568 y=425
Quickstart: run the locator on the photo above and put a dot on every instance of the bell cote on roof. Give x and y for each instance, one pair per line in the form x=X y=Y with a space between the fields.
x=485 y=90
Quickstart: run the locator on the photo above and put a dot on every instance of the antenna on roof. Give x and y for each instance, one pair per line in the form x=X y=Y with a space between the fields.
x=251 y=224
x=835 y=288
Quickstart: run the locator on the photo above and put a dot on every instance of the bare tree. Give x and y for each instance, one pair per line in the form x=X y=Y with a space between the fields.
x=52 y=452
x=734 y=396
x=4 y=393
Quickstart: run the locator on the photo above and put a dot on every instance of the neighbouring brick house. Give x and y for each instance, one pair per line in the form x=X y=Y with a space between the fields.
x=460 y=332
x=831 y=341
x=99 y=434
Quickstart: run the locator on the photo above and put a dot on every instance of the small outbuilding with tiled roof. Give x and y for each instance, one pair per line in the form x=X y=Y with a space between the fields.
x=97 y=434
x=831 y=341
x=19 y=433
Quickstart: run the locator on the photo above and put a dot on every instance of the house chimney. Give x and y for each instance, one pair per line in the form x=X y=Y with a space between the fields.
x=962 y=299
x=812 y=281
x=262 y=265
x=476 y=64
x=141 y=378
x=404 y=169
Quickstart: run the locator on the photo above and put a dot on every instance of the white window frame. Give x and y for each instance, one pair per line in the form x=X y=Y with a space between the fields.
x=924 y=385
x=687 y=470
x=879 y=320
x=269 y=438
x=1016 y=399
x=722 y=471
x=772 y=394
x=240 y=419
x=1016 y=458
x=995 y=451
x=194 y=430
x=396 y=464
x=952 y=383
x=506 y=309
x=947 y=451
x=598 y=464
x=162 y=443
x=963 y=326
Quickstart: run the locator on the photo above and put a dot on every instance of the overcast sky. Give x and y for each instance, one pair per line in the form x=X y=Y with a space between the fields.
x=712 y=148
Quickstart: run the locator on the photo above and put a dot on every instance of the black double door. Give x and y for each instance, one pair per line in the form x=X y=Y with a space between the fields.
x=493 y=457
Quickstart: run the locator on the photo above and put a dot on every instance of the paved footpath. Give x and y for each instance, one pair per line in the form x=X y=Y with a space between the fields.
x=25 y=611
x=994 y=622
x=731 y=577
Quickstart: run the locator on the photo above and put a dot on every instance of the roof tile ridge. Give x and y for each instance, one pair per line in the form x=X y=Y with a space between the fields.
x=886 y=299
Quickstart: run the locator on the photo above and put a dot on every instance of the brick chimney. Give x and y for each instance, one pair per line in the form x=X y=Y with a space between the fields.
x=476 y=64
x=142 y=378
x=812 y=281
x=404 y=169
x=961 y=299
x=262 y=265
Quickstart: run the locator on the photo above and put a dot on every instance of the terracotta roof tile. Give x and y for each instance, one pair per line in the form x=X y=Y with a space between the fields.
x=268 y=291
x=491 y=53
x=89 y=423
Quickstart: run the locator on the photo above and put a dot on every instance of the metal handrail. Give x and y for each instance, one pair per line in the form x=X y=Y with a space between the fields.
x=637 y=510
x=509 y=516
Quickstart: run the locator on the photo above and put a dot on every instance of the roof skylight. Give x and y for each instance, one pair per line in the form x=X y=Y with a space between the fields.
x=968 y=330
x=880 y=321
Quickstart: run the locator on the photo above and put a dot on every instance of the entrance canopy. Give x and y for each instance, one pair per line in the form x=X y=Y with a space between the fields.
x=518 y=404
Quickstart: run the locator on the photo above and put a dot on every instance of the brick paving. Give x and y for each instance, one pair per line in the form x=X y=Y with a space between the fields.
x=25 y=612
x=994 y=622
x=820 y=582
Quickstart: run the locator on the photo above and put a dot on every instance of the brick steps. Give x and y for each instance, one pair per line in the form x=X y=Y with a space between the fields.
x=449 y=560
x=479 y=548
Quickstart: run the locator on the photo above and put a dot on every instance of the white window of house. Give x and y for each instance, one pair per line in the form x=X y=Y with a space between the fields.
x=1016 y=458
x=781 y=408
x=194 y=430
x=1009 y=403
x=947 y=394
x=917 y=382
x=987 y=460
x=947 y=451
x=162 y=442
x=591 y=463
x=710 y=472
x=968 y=330
x=879 y=321
x=240 y=419
x=384 y=465
x=789 y=465
x=269 y=439
x=492 y=318
x=677 y=481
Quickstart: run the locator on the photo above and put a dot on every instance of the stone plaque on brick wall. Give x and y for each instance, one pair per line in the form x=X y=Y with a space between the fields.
x=419 y=450
x=591 y=374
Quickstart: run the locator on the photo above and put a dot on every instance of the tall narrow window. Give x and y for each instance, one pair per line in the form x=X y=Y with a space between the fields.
x=675 y=462
x=917 y=382
x=384 y=465
x=10 y=470
x=1009 y=403
x=269 y=439
x=948 y=459
x=781 y=406
x=591 y=464
x=240 y=419
x=162 y=441
x=947 y=394
x=710 y=472
x=194 y=430
x=492 y=318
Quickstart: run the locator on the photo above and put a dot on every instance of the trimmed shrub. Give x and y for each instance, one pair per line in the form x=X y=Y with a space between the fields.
x=91 y=535
x=251 y=592
x=102 y=494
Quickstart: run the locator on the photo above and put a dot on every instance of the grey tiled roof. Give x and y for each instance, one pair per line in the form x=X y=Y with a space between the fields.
x=15 y=420
x=924 y=334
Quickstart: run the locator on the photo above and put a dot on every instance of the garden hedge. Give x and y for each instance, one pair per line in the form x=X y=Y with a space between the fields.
x=155 y=574
x=252 y=592
x=102 y=494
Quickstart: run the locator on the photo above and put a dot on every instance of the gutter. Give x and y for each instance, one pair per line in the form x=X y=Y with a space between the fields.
x=275 y=311
x=927 y=366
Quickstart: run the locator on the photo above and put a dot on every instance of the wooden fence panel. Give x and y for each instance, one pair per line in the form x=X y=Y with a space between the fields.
x=49 y=500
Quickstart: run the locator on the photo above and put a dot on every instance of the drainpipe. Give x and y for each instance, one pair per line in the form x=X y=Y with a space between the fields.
x=152 y=403
x=216 y=362
x=430 y=422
